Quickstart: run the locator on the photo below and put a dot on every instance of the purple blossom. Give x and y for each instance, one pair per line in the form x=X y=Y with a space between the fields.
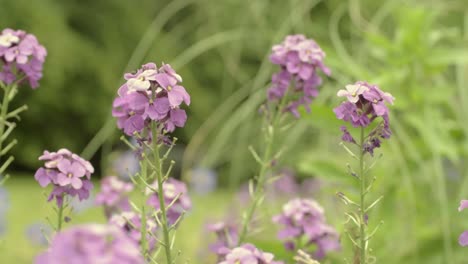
x=304 y=218
x=114 y=195
x=92 y=243
x=365 y=103
x=284 y=186
x=227 y=236
x=130 y=223
x=346 y=135
x=463 y=239
x=175 y=193
x=22 y=54
x=151 y=95
x=248 y=254
x=67 y=172
x=300 y=60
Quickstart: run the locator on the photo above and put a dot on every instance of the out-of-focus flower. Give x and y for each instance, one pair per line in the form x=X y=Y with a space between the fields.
x=22 y=57
x=285 y=185
x=151 y=95
x=114 y=195
x=304 y=218
x=227 y=236
x=92 y=243
x=175 y=195
x=130 y=222
x=304 y=258
x=67 y=172
x=79 y=206
x=365 y=103
x=463 y=239
x=38 y=233
x=203 y=181
x=126 y=165
x=248 y=254
x=300 y=60
x=4 y=205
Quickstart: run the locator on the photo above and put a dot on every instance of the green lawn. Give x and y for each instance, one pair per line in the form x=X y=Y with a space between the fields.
x=28 y=205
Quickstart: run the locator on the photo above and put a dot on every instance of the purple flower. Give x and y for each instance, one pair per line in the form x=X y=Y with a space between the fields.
x=227 y=235
x=151 y=95
x=22 y=56
x=300 y=60
x=463 y=239
x=67 y=172
x=305 y=219
x=92 y=243
x=346 y=135
x=248 y=254
x=353 y=91
x=114 y=195
x=175 y=193
x=130 y=223
x=175 y=93
x=365 y=103
x=285 y=185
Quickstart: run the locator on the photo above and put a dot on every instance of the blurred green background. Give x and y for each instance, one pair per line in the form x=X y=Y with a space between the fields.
x=416 y=50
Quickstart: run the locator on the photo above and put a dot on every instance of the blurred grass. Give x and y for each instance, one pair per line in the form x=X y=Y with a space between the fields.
x=28 y=206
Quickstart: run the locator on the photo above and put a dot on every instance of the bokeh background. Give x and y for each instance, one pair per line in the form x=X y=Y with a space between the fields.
x=416 y=50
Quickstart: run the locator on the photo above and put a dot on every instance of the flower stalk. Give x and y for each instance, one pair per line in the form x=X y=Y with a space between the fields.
x=60 y=210
x=364 y=104
x=265 y=163
x=362 y=179
x=162 y=204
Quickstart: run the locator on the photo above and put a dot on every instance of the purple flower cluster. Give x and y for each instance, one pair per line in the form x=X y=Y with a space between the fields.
x=175 y=195
x=299 y=58
x=67 y=172
x=303 y=219
x=365 y=103
x=463 y=239
x=91 y=243
x=247 y=254
x=130 y=223
x=22 y=57
x=114 y=195
x=151 y=94
x=227 y=235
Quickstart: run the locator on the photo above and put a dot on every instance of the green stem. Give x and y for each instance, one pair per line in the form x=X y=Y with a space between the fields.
x=162 y=205
x=60 y=215
x=4 y=111
x=266 y=161
x=144 y=243
x=362 y=200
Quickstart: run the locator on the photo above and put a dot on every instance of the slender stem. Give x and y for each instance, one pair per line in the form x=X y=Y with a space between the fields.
x=4 y=111
x=60 y=215
x=362 y=200
x=144 y=242
x=266 y=161
x=162 y=205
x=258 y=189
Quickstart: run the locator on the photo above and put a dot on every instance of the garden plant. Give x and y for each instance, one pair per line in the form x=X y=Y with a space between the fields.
x=318 y=157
